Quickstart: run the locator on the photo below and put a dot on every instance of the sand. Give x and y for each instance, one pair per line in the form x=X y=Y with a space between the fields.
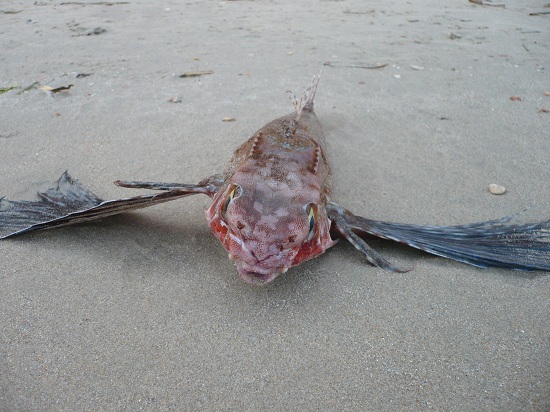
x=145 y=312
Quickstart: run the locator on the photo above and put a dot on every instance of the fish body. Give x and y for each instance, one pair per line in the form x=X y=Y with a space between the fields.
x=270 y=212
x=271 y=209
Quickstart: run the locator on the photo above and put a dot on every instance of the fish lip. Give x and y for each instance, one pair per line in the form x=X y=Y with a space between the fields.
x=259 y=272
x=258 y=278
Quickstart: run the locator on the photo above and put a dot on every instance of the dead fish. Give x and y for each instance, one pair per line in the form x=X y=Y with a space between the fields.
x=271 y=209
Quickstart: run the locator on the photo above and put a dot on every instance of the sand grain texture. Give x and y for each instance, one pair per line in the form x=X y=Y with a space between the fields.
x=145 y=312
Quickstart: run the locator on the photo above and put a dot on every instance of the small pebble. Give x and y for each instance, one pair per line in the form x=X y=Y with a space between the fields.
x=228 y=119
x=496 y=189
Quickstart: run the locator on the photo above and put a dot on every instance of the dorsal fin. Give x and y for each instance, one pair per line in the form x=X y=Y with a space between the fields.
x=305 y=102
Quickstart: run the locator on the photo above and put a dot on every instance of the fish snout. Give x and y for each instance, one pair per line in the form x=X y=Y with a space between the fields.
x=263 y=251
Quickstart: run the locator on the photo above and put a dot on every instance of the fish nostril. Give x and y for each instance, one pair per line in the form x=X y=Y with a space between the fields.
x=240 y=225
x=292 y=238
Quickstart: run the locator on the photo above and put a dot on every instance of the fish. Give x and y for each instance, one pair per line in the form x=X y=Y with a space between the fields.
x=272 y=210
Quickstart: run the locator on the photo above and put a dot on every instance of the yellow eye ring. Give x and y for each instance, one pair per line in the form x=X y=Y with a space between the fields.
x=311 y=216
x=235 y=192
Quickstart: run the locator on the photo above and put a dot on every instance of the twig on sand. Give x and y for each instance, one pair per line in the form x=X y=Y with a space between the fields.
x=356 y=66
x=97 y=3
x=484 y=3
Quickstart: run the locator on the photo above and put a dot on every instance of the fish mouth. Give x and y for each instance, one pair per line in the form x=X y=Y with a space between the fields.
x=258 y=278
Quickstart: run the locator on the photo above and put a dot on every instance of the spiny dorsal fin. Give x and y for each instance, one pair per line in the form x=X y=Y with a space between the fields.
x=306 y=100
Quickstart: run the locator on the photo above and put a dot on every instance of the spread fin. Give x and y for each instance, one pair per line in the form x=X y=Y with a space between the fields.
x=370 y=254
x=484 y=244
x=70 y=203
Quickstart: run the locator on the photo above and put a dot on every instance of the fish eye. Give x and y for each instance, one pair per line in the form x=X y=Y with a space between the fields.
x=233 y=193
x=311 y=216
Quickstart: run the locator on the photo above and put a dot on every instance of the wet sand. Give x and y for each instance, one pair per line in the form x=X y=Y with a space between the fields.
x=145 y=311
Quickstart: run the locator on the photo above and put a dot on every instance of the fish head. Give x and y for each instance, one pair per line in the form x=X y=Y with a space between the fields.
x=266 y=232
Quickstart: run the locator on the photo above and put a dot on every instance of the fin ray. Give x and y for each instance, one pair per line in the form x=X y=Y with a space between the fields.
x=483 y=244
x=70 y=203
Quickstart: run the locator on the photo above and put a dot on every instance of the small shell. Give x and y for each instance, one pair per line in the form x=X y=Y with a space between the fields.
x=497 y=189
x=228 y=119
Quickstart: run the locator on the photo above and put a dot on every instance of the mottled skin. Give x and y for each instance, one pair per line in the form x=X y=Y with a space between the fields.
x=270 y=213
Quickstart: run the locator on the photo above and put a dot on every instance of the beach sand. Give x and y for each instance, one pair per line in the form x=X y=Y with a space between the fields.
x=144 y=311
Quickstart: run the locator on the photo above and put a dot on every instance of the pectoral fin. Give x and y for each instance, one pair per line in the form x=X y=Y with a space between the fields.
x=70 y=203
x=485 y=244
x=340 y=219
